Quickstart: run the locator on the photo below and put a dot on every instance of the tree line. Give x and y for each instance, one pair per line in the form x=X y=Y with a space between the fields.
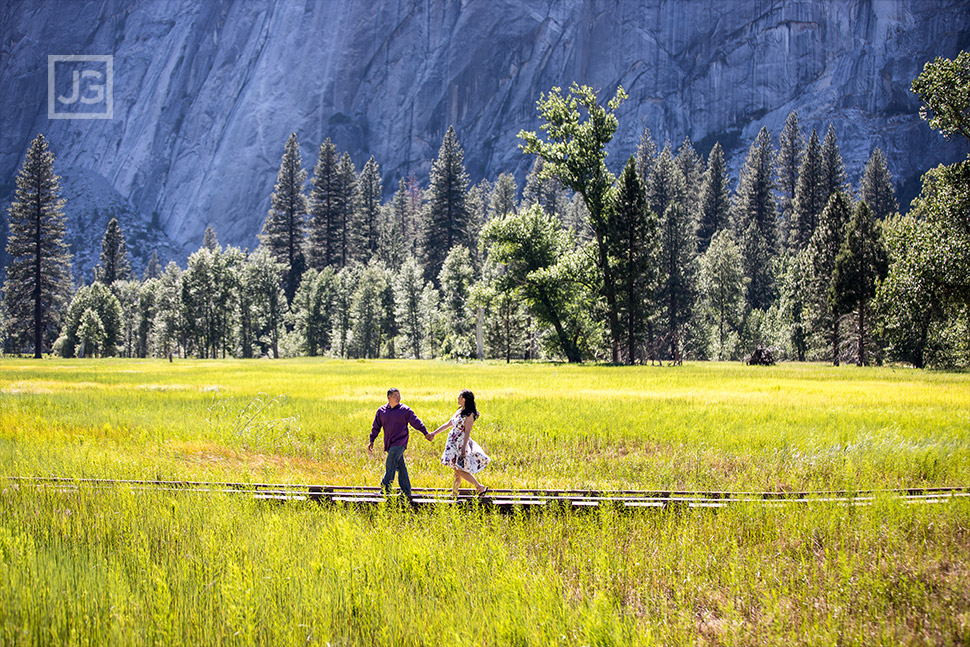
x=662 y=263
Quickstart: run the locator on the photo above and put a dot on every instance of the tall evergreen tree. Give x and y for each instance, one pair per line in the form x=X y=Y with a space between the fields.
x=646 y=155
x=342 y=240
x=692 y=170
x=789 y=160
x=209 y=239
x=677 y=277
x=324 y=206
x=147 y=310
x=810 y=195
x=722 y=289
x=153 y=269
x=478 y=202
x=399 y=229
x=168 y=325
x=311 y=310
x=367 y=223
x=833 y=168
x=861 y=264
x=97 y=298
x=634 y=236
x=456 y=278
x=665 y=183
x=407 y=295
x=367 y=312
x=114 y=265
x=268 y=302
x=283 y=230
x=877 y=187
x=547 y=192
x=822 y=250
x=715 y=199
x=38 y=282
x=448 y=220
x=755 y=215
x=503 y=199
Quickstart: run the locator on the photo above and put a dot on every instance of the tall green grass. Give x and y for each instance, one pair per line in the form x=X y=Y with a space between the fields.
x=123 y=567
x=134 y=568
x=701 y=426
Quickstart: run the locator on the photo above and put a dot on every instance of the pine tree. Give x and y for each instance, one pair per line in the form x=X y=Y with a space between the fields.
x=346 y=192
x=665 y=183
x=324 y=207
x=407 y=295
x=209 y=239
x=547 y=192
x=153 y=269
x=677 y=277
x=367 y=223
x=114 y=264
x=722 y=289
x=38 y=282
x=810 y=195
x=128 y=293
x=877 y=187
x=283 y=230
x=448 y=219
x=342 y=314
x=822 y=250
x=98 y=298
x=267 y=302
x=456 y=278
x=311 y=310
x=478 y=201
x=367 y=312
x=91 y=332
x=634 y=235
x=790 y=147
x=503 y=197
x=833 y=168
x=168 y=325
x=755 y=214
x=147 y=310
x=397 y=229
x=715 y=199
x=861 y=263
x=646 y=155
x=692 y=170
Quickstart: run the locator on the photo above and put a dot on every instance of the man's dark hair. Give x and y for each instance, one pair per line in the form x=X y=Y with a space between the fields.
x=392 y=391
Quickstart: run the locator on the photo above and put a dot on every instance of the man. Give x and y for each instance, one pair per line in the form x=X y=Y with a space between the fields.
x=394 y=418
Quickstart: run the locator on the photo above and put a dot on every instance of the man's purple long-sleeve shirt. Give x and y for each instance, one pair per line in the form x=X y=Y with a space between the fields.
x=395 y=421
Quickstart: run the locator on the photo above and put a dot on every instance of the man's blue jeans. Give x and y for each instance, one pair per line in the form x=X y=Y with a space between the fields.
x=395 y=463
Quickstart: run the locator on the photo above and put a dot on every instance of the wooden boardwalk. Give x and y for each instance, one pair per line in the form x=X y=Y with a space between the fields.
x=503 y=499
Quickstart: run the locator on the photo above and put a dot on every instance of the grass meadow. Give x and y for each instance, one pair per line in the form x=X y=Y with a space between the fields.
x=124 y=567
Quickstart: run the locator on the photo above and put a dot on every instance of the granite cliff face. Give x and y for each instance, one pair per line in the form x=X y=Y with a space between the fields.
x=205 y=93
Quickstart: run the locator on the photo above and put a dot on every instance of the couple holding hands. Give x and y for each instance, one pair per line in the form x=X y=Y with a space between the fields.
x=462 y=454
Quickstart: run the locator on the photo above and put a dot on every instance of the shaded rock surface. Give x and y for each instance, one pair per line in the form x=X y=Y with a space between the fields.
x=205 y=93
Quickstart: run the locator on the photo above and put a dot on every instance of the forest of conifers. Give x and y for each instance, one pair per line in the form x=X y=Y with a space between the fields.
x=667 y=259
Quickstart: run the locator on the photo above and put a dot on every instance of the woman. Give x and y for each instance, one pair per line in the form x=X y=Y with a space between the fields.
x=463 y=454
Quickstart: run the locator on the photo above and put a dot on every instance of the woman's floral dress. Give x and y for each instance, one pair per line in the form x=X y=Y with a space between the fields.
x=475 y=457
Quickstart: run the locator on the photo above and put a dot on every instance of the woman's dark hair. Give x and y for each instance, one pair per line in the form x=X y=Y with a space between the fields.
x=469 y=408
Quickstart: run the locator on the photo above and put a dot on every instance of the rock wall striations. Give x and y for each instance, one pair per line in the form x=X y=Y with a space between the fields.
x=206 y=93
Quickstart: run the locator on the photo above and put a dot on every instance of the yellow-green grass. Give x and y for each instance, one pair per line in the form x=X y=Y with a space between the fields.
x=123 y=567
x=700 y=426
